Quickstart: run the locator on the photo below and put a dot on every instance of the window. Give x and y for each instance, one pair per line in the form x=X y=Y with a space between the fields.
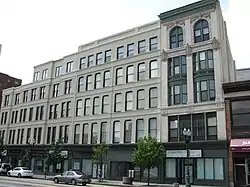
x=140 y=99
x=68 y=109
x=105 y=104
x=153 y=44
x=177 y=66
x=108 y=55
x=85 y=133
x=45 y=74
x=99 y=58
x=87 y=109
x=94 y=133
x=104 y=132
x=53 y=136
x=198 y=127
x=130 y=49
x=56 y=111
x=118 y=102
x=153 y=72
x=89 y=84
x=107 y=79
x=240 y=112
x=38 y=136
x=77 y=134
x=42 y=92
x=6 y=100
x=116 y=132
x=63 y=109
x=120 y=52
x=141 y=72
x=66 y=134
x=170 y=168
x=33 y=94
x=210 y=168
x=31 y=114
x=67 y=89
x=36 y=76
x=96 y=108
x=178 y=94
x=130 y=74
x=82 y=63
x=173 y=128
x=152 y=127
x=17 y=99
x=129 y=101
x=153 y=98
x=127 y=131
x=55 y=90
x=176 y=37
x=25 y=96
x=211 y=126
x=119 y=76
x=203 y=60
x=41 y=113
x=97 y=80
x=81 y=84
x=205 y=91
x=69 y=67
x=90 y=60
x=48 y=135
x=79 y=107
x=58 y=71
x=139 y=129
x=201 y=31
x=141 y=46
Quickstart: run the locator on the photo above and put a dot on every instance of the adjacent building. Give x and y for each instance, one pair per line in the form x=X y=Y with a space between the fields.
x=7 y=81
x=157 y=79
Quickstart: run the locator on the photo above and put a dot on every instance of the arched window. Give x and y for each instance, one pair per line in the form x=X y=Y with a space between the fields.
x=176 y=37
x=201 y=31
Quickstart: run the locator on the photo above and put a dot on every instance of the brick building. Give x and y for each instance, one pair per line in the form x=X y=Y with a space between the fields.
x=7 y=81
x=237 y=101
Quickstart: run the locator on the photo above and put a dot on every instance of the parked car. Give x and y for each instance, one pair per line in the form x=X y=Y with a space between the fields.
x=4 y=168
x=20 y=172
x=72 y=177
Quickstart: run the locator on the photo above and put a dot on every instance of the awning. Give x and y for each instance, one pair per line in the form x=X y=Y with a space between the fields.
x=240 y=145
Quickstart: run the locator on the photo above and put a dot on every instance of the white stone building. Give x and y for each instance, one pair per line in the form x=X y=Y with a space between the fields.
x=157 y=78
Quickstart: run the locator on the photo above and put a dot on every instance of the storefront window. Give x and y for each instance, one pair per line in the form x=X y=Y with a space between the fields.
x=39 y=165
x=153 y=173
x=170 y=168
x=210 y=168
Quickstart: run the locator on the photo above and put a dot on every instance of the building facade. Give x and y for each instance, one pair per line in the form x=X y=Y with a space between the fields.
x=7 y=81
x=156 y=79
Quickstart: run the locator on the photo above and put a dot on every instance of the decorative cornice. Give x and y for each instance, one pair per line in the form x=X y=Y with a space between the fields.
x=215 y=44
x=164 y=55
x=176 y=23
x=188 y=50
x=204 y=15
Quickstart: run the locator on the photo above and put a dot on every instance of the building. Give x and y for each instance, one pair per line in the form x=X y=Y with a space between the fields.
x=237 y=100
x=157 y=78
x=7 y=81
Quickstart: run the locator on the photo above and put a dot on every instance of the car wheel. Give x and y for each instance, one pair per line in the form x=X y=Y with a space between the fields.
x=84 y=184
x=19 y=175
x=73 y=182
x=56 y=180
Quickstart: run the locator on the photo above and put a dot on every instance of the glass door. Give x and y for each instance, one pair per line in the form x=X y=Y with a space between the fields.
x=183 y=171
x=248 y=171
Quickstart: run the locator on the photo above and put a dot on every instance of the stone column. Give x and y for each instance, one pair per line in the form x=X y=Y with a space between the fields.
x=190 y=82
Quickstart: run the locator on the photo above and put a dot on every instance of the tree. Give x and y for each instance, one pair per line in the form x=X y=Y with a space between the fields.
x=2 y=147
x=148 y=154
x=54 y=154
x=99 y=155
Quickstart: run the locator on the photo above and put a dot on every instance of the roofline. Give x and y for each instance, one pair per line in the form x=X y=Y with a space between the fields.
x=237 y=86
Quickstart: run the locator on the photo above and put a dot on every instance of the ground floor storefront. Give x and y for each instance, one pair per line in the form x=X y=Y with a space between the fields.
x=207 y=163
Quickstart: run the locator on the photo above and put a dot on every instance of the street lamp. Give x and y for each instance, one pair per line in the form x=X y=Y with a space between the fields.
x=31 y=142
x=187 y=134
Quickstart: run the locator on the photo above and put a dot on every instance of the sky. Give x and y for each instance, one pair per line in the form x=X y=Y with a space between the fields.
x=33 y=32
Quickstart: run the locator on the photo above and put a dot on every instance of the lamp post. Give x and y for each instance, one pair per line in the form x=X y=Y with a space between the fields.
x=31 y=142
x=187 y=135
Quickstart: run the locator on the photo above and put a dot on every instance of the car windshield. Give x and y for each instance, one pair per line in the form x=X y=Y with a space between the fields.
x=6 y=166
x=79 y=173
x=24 y=168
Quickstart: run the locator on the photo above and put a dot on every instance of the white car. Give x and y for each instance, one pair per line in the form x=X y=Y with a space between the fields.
x=20 y=172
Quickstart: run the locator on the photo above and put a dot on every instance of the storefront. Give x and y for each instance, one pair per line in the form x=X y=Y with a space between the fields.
x=241 y=161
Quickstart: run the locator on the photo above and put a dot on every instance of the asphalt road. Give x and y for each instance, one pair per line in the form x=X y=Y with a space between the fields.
x=16 y=182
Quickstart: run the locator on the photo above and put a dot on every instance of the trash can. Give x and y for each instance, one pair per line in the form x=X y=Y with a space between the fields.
x=175 y=184
x=126 y=180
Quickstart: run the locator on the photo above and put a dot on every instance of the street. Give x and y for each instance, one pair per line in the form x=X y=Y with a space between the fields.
x=23 y=182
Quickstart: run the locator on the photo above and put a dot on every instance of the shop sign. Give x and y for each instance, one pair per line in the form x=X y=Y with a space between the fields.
x=183 y=153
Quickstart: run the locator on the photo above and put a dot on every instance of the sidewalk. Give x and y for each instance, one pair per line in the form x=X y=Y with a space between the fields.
x=115 y=183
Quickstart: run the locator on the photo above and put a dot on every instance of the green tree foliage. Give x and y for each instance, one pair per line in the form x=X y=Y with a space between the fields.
x=99 y=155
x=2 y=146
x=148 y=154
x=54 y=154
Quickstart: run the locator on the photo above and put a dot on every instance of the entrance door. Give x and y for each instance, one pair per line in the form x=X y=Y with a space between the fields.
x=240 y=175
x=183 y=168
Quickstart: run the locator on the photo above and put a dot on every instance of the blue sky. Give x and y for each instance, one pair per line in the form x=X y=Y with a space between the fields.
x=35 y=32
